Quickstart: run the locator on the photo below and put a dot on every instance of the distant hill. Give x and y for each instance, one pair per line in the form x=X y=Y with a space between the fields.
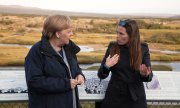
x=16 y=9
x=176 y=17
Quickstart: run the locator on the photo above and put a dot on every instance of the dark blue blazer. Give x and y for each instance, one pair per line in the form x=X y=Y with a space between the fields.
x=47 y=76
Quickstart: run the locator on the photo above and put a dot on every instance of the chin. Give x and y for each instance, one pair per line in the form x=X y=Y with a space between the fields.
x=120 y=43
x=67 y=42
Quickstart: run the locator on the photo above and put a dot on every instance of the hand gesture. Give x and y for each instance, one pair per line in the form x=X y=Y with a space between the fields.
x=80 y=79
x=144 y=70
x=73 y=82
x=111 y=61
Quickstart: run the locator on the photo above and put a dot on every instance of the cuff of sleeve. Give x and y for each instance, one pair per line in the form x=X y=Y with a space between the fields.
x=107 y=67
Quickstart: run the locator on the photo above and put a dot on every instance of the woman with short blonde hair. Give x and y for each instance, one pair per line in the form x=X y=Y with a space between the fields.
x=51 y=67
x=56 y=23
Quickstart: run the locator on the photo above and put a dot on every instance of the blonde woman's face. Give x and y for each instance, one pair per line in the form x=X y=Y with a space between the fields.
x=65 y=35
x=122 y=36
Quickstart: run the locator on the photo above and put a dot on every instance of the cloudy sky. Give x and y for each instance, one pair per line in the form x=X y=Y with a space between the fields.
x=103 y=6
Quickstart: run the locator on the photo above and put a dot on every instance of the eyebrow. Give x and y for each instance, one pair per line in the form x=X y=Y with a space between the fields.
x=120 y=32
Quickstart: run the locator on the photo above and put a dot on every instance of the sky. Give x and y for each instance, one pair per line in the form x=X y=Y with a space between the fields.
x=103 y=6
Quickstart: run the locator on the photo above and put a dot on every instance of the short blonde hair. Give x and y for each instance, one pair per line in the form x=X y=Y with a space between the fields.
x=55 y=23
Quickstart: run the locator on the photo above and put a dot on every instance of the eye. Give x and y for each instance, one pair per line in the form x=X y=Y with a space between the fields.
x=69 y=31
x=119 y=33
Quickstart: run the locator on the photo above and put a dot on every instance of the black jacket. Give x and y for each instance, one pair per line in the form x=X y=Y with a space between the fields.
x=125 y=88
x=47 y=75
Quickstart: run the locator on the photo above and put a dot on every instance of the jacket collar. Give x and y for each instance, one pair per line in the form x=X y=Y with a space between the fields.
x=70 y=49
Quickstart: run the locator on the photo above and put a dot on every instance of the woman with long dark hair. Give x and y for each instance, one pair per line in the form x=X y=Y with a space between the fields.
x=129 y=62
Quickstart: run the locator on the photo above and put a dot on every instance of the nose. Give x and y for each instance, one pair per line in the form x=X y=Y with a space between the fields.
x=118 y=35
x=71 y=33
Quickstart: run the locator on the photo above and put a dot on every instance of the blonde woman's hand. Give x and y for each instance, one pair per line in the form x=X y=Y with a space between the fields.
x=144 y=70
x=111 y=61
x=73 y=82
x=80 y=79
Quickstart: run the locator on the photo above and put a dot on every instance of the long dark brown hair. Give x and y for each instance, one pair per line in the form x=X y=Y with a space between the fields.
x=134 y=44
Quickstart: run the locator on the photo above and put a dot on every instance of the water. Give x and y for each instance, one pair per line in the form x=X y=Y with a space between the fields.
x=82 y=47
x=166 y=51
x=174 y=65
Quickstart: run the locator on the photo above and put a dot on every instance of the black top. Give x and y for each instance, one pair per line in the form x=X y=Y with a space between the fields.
x=124 y=75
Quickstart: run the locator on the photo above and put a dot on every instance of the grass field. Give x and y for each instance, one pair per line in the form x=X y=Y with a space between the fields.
x=10 y=55
x=87 y=31
x=81 y=39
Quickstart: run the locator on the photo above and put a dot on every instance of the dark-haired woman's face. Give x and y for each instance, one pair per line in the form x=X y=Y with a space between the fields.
x=122 y=36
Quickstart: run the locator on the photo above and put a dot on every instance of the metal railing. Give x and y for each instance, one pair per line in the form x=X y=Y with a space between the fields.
x=155 y=98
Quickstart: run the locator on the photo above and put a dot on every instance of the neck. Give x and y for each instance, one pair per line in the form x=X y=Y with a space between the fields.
x=56 y=44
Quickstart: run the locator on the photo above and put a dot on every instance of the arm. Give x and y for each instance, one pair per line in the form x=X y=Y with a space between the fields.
x=38 y=81
x=79 y=70
x=103 y=71
x=146 y=61
x=80 y=77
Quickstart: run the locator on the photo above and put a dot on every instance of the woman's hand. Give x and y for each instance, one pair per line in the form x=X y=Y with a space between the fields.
x=80 y=79
x=74 y=82
x=144 y=70
x=111 y=61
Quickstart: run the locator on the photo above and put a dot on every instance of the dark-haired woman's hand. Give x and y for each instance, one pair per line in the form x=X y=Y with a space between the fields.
x=111 y=61
x=144 y=70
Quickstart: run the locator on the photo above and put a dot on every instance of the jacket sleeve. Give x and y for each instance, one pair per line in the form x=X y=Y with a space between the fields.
x=79 y=70
x=75 y=49
x=38 y=81
x=104 y=71
x=147 y=62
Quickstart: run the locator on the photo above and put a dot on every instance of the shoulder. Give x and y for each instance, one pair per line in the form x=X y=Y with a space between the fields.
x=35 y=49
x=36 y=46
x=73 y=47
x=111 y=43
x=144 y=47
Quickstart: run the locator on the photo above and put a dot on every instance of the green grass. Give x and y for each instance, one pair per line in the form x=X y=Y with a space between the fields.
x=161 y=68
x=164 y=57
x=154 y=68
x=90 y=57
x=93 y=68
x=93 y=31
x=6 y=22
x=22 y=38
x=12 y=56
x=166 y=38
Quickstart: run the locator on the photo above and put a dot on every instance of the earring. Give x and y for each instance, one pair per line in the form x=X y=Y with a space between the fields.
x=57 y=36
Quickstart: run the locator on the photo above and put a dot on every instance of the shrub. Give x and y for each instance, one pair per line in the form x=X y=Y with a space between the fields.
x=167 y=38
x=6 y=22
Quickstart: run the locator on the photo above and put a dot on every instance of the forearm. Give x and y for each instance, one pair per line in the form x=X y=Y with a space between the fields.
x=103 y=71
x=44 y=84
